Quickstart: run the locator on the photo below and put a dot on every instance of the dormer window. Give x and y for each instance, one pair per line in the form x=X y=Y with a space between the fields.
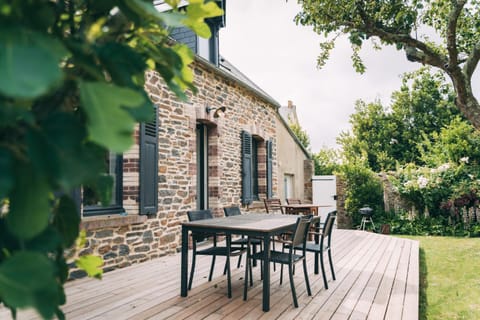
x=208 y=48
x=205 y=48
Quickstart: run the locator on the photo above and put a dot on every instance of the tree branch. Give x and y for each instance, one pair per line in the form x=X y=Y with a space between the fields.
x=423 y=54
x=472 y=61
x=457 y=7
x=416 y=50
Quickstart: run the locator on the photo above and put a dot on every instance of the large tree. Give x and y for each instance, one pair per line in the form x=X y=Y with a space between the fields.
x=408 y=25
x=384 y=136
x=71 y=90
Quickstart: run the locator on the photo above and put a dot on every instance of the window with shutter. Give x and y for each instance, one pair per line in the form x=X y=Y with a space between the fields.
x=149 y=166
x=269 y=169
x=247 y=196
x=92 y=205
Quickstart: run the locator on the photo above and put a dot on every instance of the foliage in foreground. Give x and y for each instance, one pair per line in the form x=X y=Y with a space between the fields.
x=71 y=90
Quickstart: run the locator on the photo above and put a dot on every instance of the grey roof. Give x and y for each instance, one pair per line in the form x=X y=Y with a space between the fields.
x=227 y=66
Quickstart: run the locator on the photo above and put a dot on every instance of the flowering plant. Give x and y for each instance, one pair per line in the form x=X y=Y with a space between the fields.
x=439 y=190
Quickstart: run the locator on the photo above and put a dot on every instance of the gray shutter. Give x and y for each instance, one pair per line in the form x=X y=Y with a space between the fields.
x=149 y=166
x=247 y=196
x=269 y=169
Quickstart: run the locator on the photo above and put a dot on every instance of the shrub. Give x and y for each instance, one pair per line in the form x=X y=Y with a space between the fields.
x=362 y=188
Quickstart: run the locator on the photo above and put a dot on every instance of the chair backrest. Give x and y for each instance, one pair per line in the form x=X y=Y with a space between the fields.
x=299 y=237
x=196 y=215
x=273 y=204
x=328 y=226
x=294 y=201
x=232 y=211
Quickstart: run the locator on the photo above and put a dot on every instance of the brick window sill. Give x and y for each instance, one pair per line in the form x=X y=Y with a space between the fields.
x=101 y=222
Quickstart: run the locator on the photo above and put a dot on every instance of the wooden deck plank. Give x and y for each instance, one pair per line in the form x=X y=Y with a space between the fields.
x=377 y=278
x=395 y=303
x=307 y=310
x=365 y=301
x=347 y=306
x=410 y=304
x=279 y=307
x=364 y=252
x=379 y=306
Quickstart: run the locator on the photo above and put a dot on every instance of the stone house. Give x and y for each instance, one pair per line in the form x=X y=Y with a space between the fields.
x=187 y=159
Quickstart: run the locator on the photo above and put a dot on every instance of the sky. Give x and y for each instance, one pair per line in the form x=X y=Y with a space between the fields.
x=263 y=42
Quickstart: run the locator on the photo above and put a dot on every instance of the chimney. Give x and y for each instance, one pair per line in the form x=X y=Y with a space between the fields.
x=290 y=104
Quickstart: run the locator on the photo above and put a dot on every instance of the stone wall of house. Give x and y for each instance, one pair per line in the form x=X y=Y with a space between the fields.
x=133 y=238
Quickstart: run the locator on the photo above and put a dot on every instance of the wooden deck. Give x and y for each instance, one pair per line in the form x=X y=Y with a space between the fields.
x=377 y=278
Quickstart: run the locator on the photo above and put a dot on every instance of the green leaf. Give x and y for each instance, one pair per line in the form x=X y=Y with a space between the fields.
x=173 y=19
x=144 y=9
x=47 y=241
x=8 y=243
x=10 y=115
x=197 y=11
x=67 y=220
x=43 y=158
x=121 y=62
x=109 y=124
x=29 y=203
x=23 y=276
x=187 y=57
x=6 y=172
x=78 y=162
x=47 y=301
x=29 y=62
x=91 y=265
x=62 y=268
x=144 y=113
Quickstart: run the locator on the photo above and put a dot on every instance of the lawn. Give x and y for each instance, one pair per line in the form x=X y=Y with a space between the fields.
x=449 y=278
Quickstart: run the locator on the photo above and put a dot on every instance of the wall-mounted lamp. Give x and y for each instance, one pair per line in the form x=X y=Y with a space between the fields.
x=217 y=112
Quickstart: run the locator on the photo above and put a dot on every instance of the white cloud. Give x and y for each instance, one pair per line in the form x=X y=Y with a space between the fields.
x=263 y=42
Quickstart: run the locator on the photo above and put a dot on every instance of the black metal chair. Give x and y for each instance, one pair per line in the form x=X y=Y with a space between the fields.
x=290 y=258
x=235 y=211
x=324 y=245
x=214 y=251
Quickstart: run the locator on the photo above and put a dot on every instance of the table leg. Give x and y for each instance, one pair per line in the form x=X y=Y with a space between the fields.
x=184 y=263
x=317 y=241
x=229 y=284
x=266 y=272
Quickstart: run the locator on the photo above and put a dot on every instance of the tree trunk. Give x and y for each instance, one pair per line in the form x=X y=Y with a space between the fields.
x=466 y=101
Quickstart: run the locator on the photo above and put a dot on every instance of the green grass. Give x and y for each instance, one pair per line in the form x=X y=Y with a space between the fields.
x=449 y=278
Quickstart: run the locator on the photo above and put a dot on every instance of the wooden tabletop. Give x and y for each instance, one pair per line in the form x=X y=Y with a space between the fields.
x=259 y=222
x=306 y=205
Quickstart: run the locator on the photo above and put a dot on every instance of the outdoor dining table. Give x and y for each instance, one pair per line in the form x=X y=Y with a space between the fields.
x=303 y=207
x=254 y=225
